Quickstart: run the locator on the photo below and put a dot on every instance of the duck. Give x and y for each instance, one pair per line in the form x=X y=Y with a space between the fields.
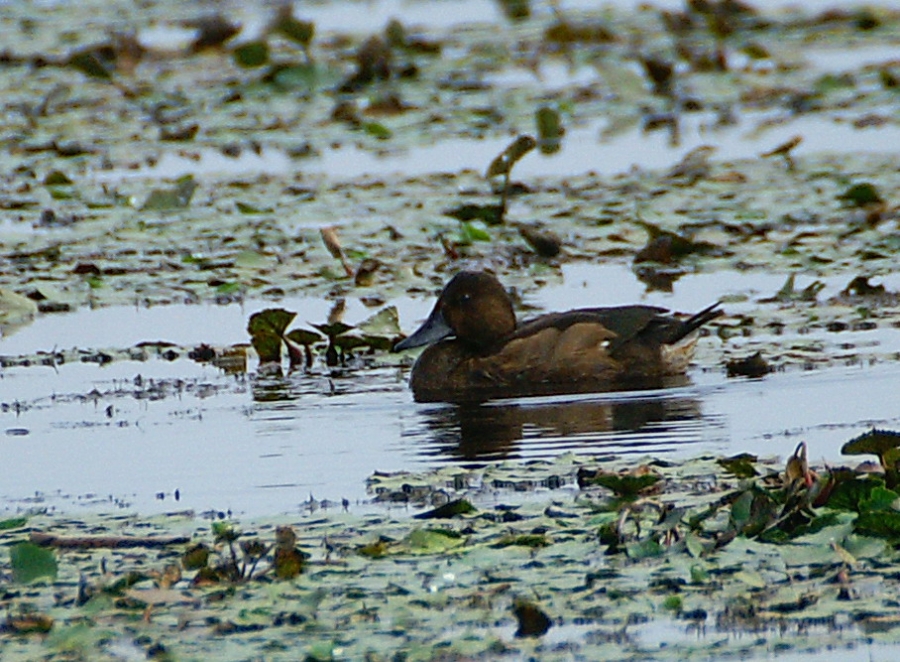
x=478 y=350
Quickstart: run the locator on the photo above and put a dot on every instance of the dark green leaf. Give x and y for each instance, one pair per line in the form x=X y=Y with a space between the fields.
x=13 y=523
x=876 y=442
x=624 y=485
x=884 y=524
x=56 y=178
x=286 y=25
x=880 y=498
x=488 y=214
x=860 y=195
x=303 y=336
x=271 y=320
x=30 y=562
x=252 y=54
x=850 y=493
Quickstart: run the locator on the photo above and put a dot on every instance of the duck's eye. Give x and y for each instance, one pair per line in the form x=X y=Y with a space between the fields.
x=465 y=297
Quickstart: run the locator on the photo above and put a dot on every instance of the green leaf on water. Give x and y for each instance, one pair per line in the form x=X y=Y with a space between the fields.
x=470 y=233
x=488 y=214
x=860 y=195
x=880 y=498
x=740 y=466
x=13 y=523
x=432 y=541
x=549 y=129
x=247 y=208
x=177 y=197
x=270 y=320
x=624 y=485
x=267 y=346
x=228 y=288
x=673 y=603
x=885 y=524
x=377 y=130
x=644 y=549
x=30 y=562
x=301 y=32
x=250 y=259
x=57 y=178
x=252 y=54
x=303 y=76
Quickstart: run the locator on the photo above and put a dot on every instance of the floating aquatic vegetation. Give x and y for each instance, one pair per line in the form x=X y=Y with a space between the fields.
x=739 y=543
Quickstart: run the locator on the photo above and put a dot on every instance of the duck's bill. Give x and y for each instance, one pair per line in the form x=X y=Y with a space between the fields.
x=433 y=329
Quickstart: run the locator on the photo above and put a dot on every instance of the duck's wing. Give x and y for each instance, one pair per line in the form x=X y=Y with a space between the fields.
x=649 y=323
x=625 y=322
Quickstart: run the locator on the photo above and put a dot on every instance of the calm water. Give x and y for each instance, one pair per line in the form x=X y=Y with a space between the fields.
x=137 y=431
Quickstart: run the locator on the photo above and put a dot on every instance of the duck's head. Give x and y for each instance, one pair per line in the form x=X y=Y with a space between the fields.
x=474 y=308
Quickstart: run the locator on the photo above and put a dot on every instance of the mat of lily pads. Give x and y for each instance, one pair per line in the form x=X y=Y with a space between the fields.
x=579 y=558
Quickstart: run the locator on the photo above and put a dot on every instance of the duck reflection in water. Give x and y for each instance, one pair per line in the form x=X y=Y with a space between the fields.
x=482 y=432
x=477 y=350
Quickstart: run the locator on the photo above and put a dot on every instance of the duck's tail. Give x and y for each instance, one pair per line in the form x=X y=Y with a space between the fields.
x=694 y=322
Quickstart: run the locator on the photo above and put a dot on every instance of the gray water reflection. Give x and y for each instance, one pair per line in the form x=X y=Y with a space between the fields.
x=621 y=423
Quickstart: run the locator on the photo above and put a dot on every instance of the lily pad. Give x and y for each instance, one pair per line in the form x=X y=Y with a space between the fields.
x=30 y=563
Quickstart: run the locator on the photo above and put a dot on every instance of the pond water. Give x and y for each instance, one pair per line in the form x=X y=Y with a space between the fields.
x=586 y=149
x=137 y=431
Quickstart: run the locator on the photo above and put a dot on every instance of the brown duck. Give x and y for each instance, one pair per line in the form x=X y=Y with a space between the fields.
x=478 y=350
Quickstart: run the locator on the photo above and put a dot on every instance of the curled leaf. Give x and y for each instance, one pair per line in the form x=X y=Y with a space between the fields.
x=503 y=162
